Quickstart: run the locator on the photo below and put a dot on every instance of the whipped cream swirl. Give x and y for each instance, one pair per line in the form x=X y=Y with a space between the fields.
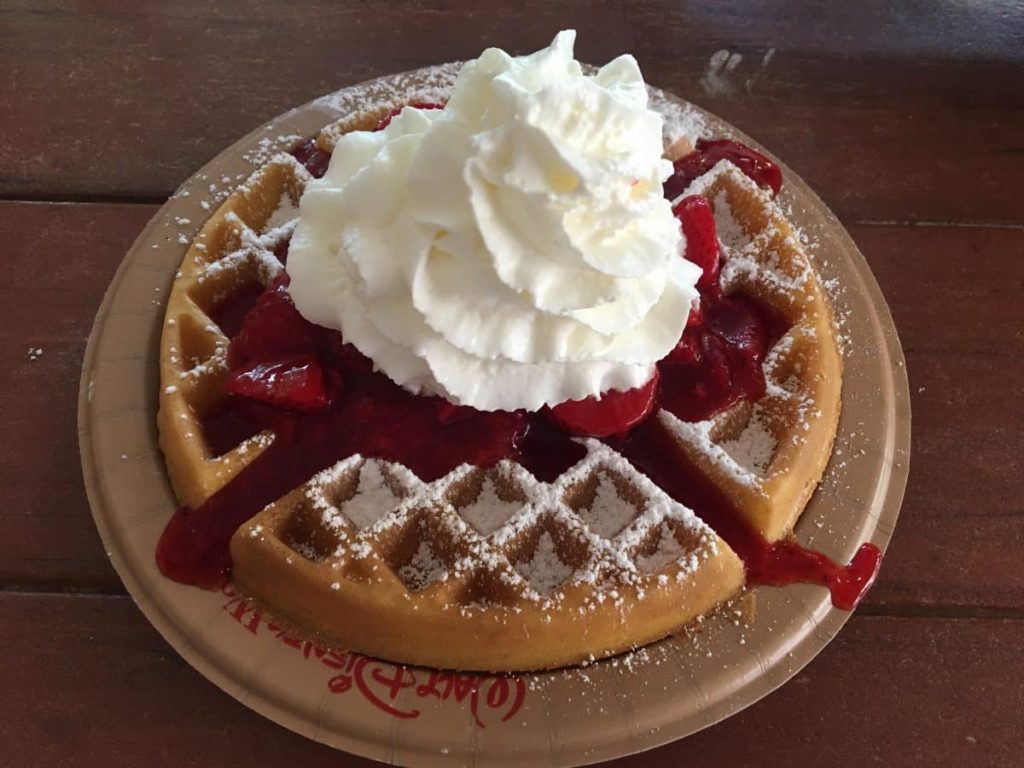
x=512 y=250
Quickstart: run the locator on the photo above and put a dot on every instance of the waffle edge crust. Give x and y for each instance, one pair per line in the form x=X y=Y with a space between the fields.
x=367 y=557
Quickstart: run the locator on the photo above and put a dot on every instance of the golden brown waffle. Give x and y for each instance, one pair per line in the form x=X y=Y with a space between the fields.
x=489 y=570
x=493 y=569
x=768 y=457
x=234 y=249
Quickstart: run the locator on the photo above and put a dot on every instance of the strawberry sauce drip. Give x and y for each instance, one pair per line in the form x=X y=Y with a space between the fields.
x=653 y=451
x=323 y=402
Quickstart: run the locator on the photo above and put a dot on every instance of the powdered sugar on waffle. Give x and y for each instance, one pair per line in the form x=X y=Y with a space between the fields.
x=372 y=499
x=749 y=255
x=749 y=258
x=197 y=369
x=754 y=448
x=377 y=490
x=681 y=120
x=669 y=550
x=284 y=216
x=609 y=532
x=730 y=232
x=488 y=511
x=255 y=248
x=545 y=571
x=431 y=85
x=608 y=514
x=268 y=147
x=424 y=569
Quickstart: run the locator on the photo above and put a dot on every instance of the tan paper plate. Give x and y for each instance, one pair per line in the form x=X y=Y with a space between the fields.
x=421 y=717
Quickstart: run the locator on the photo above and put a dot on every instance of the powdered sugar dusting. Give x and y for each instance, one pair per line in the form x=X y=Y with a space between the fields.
x=698 y=436
x=545 y=571
x=384 y=497
x=669 y=550
x=252 y=249
x=268 y=147
x=434 y=85
x=730 y=231
x=431 y=85
x=609 y=513
x=373 y=498
x=286 y=212
x=771 y=263
x=423 y=570
x=488 y=511
x=751 y=257
x=755 y=446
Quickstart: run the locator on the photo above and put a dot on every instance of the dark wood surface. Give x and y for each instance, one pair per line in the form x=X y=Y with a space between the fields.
x=908 y=119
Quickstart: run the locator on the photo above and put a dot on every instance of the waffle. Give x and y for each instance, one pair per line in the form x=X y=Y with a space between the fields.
x=234 y=250
x=489 y=570
x=493 y=569
x=768 y=457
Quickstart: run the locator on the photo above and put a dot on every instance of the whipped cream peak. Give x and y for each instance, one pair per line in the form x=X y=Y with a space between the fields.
x=512 y=250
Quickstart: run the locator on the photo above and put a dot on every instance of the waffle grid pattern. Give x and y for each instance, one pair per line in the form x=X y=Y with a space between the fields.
x=768 y=456
x=601 y=524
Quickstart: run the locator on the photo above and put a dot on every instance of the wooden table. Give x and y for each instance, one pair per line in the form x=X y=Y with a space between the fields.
x=908 y=119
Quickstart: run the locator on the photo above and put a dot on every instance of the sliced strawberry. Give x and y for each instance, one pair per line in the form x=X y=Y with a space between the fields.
x=273 y=330
x=386 y=121
x=296 y=384
x=614 y=413
x=698 y=220
x=707 y=155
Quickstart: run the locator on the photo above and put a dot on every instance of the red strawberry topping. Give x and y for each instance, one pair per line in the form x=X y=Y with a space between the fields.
x=314 y=160
x=764 y=172
x=273 y=330
x=698 y=221
x=613 y=413
x=296 y=384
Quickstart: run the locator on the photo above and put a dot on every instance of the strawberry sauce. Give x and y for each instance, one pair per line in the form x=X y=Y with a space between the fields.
x=323 y=402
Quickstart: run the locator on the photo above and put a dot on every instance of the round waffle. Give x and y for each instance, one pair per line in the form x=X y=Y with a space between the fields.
x=495 y=569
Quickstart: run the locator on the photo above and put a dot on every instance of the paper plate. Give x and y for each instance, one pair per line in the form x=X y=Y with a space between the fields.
x=412 y=716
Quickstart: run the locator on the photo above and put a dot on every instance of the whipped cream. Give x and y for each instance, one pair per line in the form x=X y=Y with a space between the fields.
x=512 y=250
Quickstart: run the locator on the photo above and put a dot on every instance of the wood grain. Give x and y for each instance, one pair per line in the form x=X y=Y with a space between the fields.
x=60 y=259
x=954 y=295
x=960 y=684
x=106 y=100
